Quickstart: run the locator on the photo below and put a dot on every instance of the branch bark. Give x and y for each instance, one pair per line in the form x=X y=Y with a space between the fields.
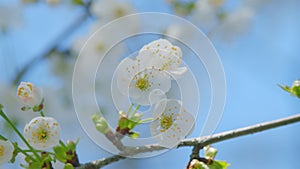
x=197 y=142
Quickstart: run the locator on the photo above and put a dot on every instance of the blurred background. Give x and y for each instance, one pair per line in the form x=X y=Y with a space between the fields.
x=257 y=41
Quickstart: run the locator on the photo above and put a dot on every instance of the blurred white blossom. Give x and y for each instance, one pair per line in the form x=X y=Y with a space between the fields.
x=235 y=23
x=206 y=13
x=10 y=16
x=108 y=10
x=53 y=2
x=6 y=151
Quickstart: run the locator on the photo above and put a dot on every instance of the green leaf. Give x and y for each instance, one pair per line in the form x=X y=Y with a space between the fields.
x=183 y=8
x=60 y=153
x=296 y=91
x=286 y=88
x=1 y=106
x=68 y=166
x=134 y=135
x=35 y=165
x=217 y=164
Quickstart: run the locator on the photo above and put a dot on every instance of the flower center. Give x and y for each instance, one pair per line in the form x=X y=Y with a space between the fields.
x=119 y=12
x=1 y=150
x=100 y=47
x=42 y=135
x=166 y=122
x=23 y=92
x=142 y=83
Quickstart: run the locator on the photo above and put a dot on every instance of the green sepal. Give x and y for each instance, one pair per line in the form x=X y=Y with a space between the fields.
x=39 y=107
x=123 y=123
x=68 y=166
x=15 y=153
x=134 y=135
x=25 y=108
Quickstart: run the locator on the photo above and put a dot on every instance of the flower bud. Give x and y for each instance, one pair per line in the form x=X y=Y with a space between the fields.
x=29 y=94
x=210 y=152
x=296 y=88
x=196 y=164
x=296 y=83
x=100 y=124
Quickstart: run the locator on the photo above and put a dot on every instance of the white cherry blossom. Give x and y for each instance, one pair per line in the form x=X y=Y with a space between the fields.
x=42 y=132
x=29 y=94
x=137 y=79
x=172 y=123
x=165 y=56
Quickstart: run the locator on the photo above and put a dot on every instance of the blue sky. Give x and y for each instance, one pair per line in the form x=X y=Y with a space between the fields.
x=254 y=64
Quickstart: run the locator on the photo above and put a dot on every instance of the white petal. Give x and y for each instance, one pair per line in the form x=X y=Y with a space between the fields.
x=156 y=95
x=159 y=108
x=155 y=128
x=171 y=138
x=125 y=72
x=186 y=123
x=178 y=72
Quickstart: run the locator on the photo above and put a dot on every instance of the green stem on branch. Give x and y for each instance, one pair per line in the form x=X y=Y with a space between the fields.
x=25 y=152
x=19 y=134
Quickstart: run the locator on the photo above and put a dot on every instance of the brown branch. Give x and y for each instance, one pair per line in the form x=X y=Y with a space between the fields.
x=196 y=142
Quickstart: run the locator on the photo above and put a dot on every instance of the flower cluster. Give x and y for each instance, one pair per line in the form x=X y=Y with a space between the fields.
x=152 y=69
x=146 y=79
x=40 y=134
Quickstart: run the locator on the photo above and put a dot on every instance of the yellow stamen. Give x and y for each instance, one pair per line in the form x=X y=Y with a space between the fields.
x=2 y=150
x=143 y=83
x=166 y=122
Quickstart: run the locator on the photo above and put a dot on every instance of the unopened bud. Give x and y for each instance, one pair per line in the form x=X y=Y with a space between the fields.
x=196 y=164
x=100 y=124
x=210 y=152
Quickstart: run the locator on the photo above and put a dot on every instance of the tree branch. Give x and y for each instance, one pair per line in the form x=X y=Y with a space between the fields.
x=197 y=142
x=66 y=33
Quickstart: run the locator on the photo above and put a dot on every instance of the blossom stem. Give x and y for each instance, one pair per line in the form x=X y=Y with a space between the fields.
x=42 y=113
x=130 y=108
x=135 y=110
x=19 y=134
x=3 y=138
x=26 y=153
x=40 y=151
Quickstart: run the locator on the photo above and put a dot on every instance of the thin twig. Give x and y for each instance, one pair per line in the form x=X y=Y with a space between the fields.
x=62 y=36
x=199 y=142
